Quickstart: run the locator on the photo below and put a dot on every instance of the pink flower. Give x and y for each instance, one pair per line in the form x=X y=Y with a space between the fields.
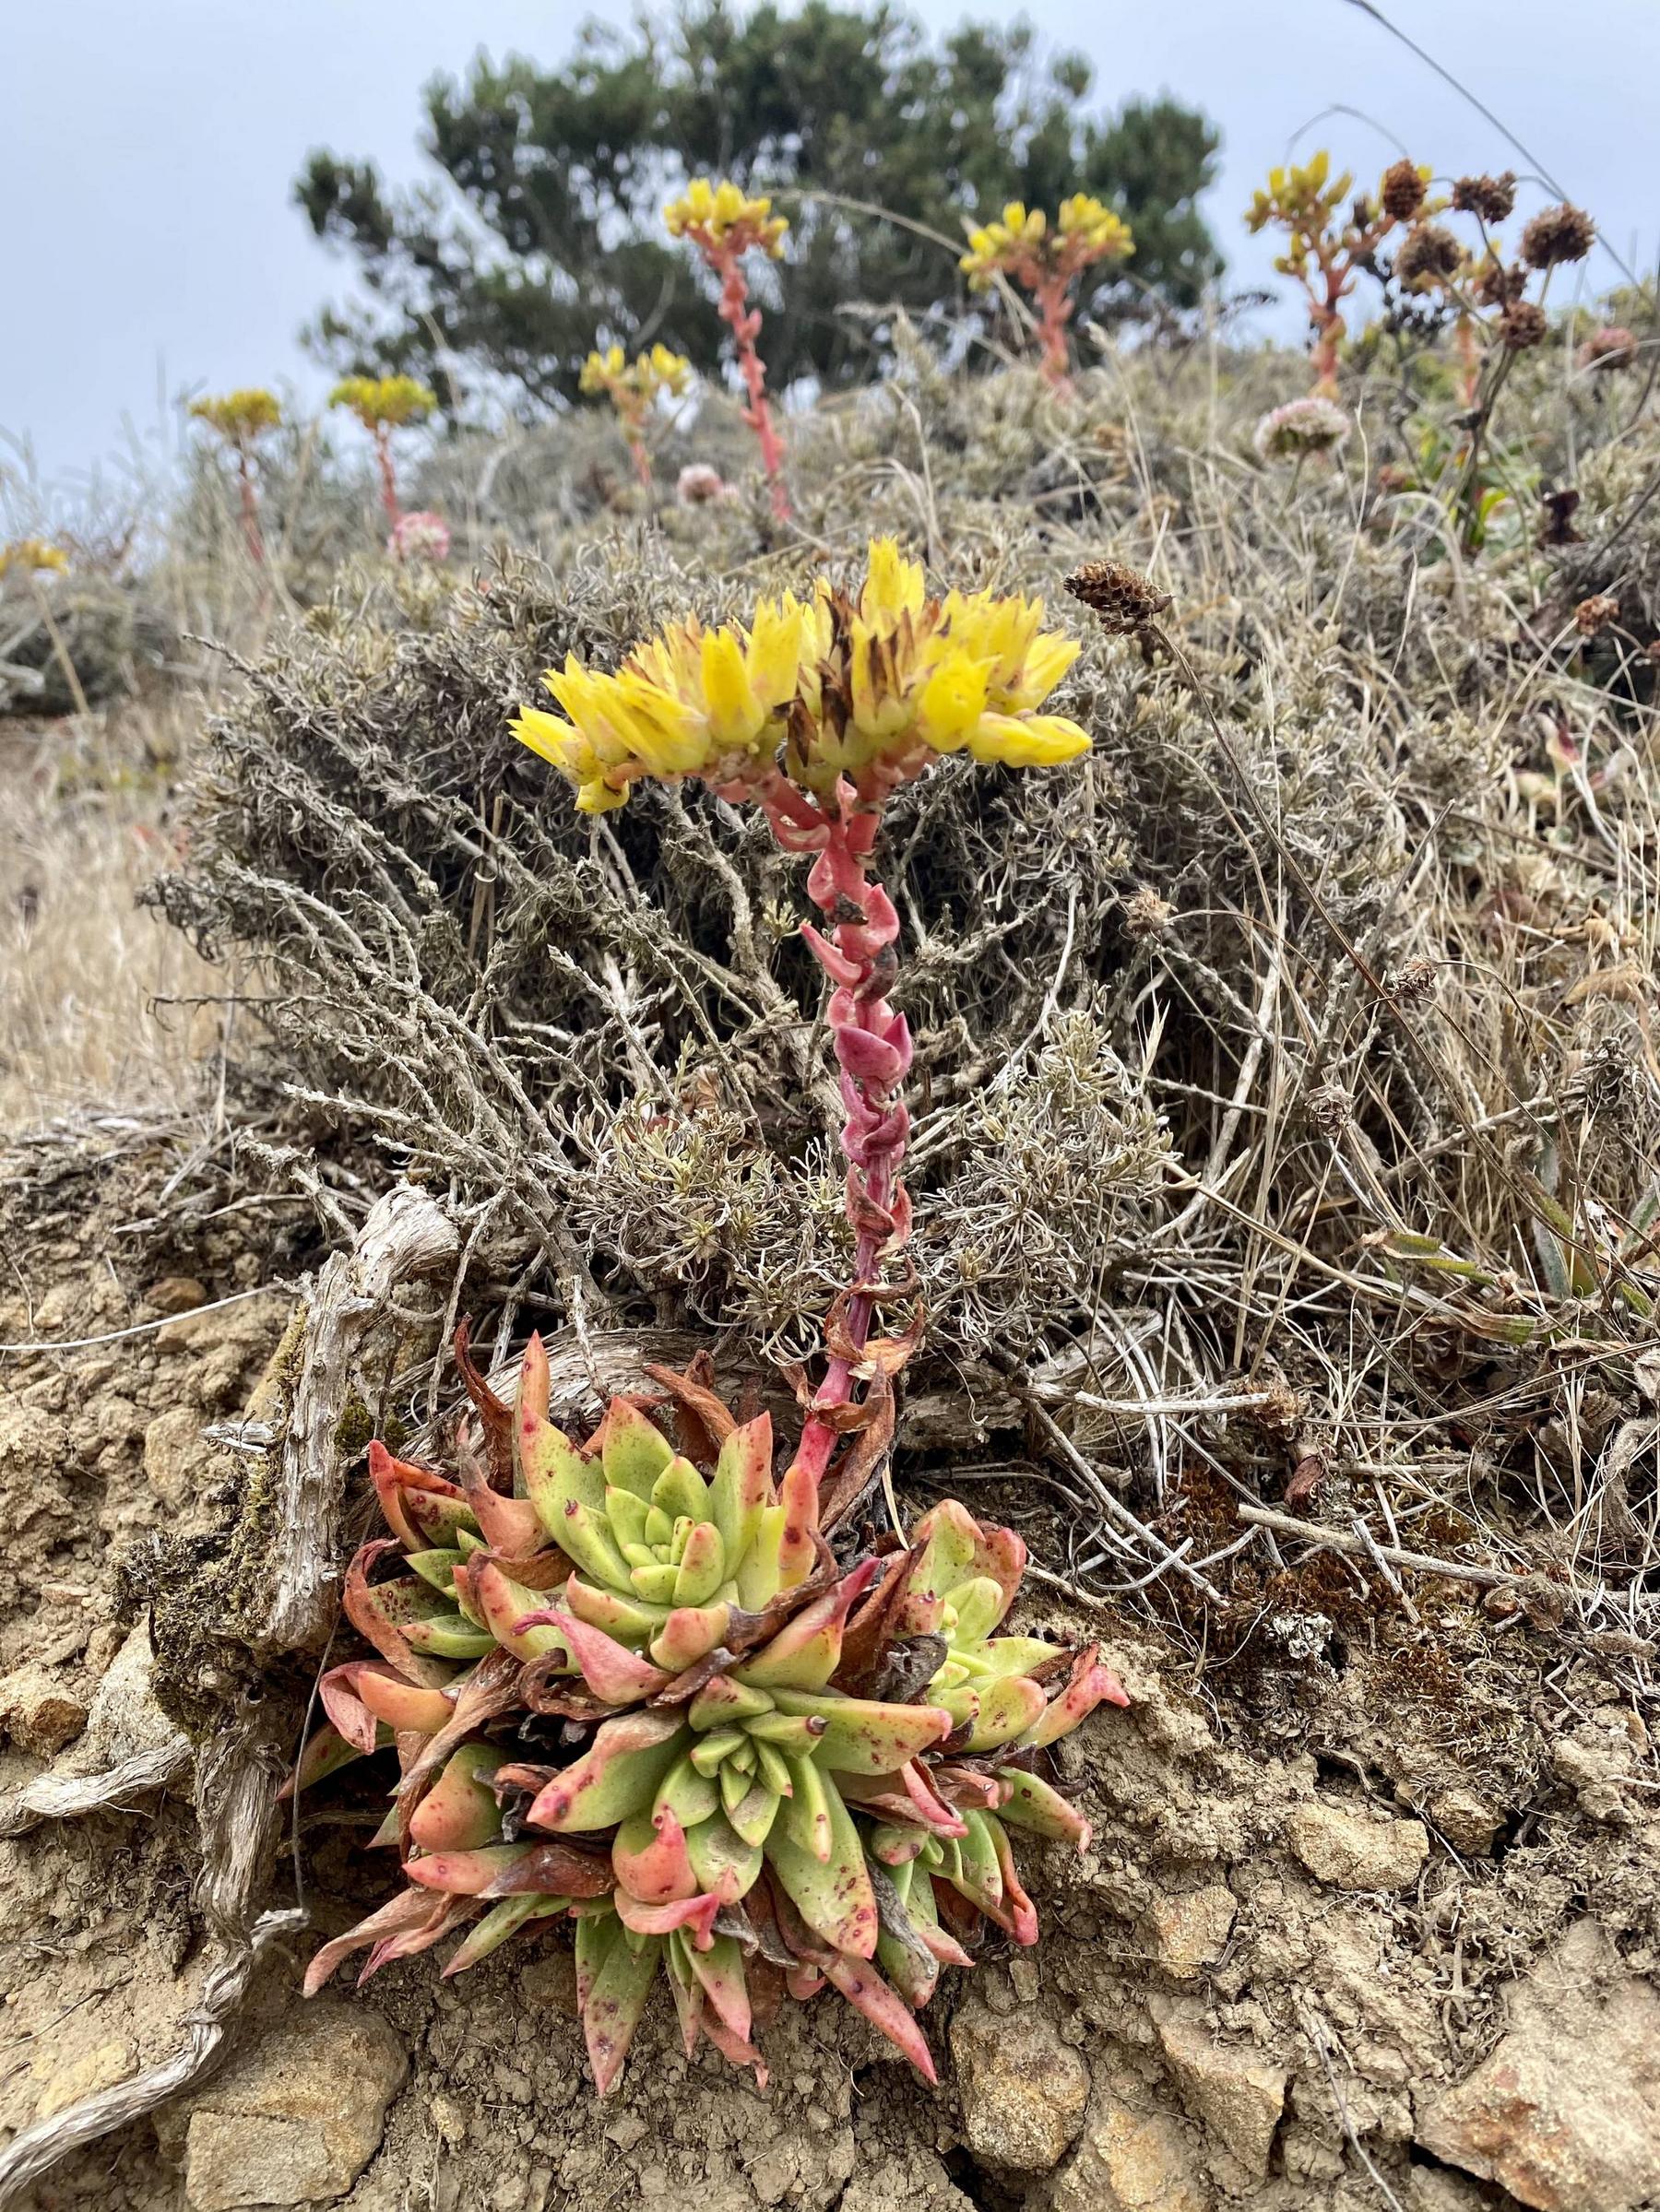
x=420 y=536
x=698 y=484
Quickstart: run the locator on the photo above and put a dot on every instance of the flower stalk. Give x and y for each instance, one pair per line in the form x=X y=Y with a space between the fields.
x=725 y=225
x=242 y=418
x=385 y=404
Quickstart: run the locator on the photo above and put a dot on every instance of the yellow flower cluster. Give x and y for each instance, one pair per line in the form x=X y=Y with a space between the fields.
x=1303 y=197
x=871 y=689
x=722 y=217
x=640 y=380
x=240 y=416
x=383 y=402
x=27 y=554
x=1025 y=244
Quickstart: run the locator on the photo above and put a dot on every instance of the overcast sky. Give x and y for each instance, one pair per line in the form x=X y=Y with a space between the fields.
x=147 y=151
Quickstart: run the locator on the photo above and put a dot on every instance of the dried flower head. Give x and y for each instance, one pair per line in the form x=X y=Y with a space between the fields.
x=1401 y=195
x=1612 y=346
x=1312 y=425
x=1558 y=234
x=1125 y=600
x=1413 y=982
x=1595 y=614
x=383 y=402
x=1430 y=253
x=1331 y=1108
x=873 y=689
x=724 y=219
x=240 y=417
x=28 y=556
x=1523 y=325
x=420 y=537
x=698 y=485
x=1491 y=198
x=1146 y=914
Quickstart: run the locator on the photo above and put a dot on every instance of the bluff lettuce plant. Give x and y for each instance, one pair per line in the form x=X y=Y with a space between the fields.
x=385 y=404
x=1327 y=244
x=771 y=1761
x=1046 y=259
x=242 y=418
x=633 y=388
x=725 y=224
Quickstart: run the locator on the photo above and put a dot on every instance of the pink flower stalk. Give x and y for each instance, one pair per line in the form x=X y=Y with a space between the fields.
x=725 y=226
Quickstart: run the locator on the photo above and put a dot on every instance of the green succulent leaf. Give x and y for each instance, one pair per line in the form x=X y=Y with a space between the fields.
x=832 y=1896
x=633 y=1450
x=618 y=1774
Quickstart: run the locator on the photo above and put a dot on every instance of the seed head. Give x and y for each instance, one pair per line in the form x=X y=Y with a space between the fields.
x=1330 y=1108
x=1402 y=191
x=1125 y=600
x=1490 y=197
x=1427 y=252
x=1558 y=234
x=1595 y=614
x=1412 y=982
x=1524 y=324
x=1146 y=914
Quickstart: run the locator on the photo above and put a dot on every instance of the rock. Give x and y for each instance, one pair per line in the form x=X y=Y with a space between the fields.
x=176 y=1294
x=1188 y=1931
x=914 y=2179
x=1565 y=2113
x=66 y=2084
x=1352 y=1851
x=1024 y=2090
x=1129 y=2162
x=296 y=2118
x=1468 y=1822
x=1236 y=2092
x=40 y=1712
x=175 y=1452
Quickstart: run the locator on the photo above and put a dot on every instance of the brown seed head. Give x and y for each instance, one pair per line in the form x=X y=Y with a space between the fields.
x=1556 y=234
x=1146 y=914
x=1524 y=324
x=1429 y=251
x=1412 y=982
x=1496 y=286
x=1403 y=191
x=1330 y=1108
x=1595 y=613
x=1490 y=197
x=1125 y=600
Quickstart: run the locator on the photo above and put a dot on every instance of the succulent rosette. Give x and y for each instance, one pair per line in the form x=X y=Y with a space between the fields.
x=643 y=1692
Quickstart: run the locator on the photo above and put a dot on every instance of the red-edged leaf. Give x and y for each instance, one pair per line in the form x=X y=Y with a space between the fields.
x=494 y=1417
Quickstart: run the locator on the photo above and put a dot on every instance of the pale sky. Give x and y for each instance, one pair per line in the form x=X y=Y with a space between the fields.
x=146 y=152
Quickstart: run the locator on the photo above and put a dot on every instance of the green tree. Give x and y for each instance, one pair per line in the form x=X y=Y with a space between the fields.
x=545 y=237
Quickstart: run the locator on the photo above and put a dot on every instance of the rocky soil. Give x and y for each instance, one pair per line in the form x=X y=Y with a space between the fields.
x=1376 y=1932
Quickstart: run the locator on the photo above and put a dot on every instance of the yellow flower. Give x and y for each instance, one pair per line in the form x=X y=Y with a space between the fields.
x=32 y=553
x=383 y=402
x=1024 y=244
x=723 y=218
x=240 y=416
x=871 y=689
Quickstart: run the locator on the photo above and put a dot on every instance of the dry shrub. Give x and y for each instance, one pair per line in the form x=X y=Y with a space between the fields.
x=1302 y=1029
